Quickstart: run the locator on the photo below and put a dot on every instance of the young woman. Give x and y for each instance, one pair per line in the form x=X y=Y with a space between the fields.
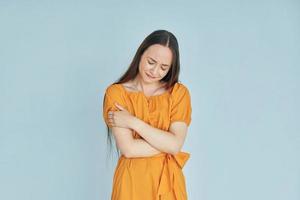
x=148 y=112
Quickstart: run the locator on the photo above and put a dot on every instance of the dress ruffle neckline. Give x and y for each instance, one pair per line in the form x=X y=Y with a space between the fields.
x=141 y=93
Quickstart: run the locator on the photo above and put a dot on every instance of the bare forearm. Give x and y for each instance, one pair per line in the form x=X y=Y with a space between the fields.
x=141 y=148
x=162 y=140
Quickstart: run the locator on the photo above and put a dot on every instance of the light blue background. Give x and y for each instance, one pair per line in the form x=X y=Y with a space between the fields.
x=240 y=61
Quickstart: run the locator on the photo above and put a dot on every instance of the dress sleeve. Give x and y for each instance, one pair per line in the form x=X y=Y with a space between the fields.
x=112 y=95
x=181 y=109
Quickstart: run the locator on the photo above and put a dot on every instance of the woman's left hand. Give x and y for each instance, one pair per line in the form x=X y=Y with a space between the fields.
x=121 y=118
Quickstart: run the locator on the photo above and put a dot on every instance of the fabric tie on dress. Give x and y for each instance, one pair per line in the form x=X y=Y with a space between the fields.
x=172 y=170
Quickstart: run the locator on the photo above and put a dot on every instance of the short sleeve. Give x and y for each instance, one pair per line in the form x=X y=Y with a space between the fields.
x=181 y=109
x=112 y=95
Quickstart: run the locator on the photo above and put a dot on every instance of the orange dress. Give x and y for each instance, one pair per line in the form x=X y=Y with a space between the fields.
x=158 y=177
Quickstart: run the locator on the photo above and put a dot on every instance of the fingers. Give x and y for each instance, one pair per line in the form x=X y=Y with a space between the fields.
x=110 y=115
x=111 y=123
x=119 y=106
x=111 y=118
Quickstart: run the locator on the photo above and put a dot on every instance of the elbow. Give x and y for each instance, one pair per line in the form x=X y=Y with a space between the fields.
x=125 y=149
x=127 y=153
x=175 y=150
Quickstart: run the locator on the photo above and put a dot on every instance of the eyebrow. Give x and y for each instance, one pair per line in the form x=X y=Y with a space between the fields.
x=156 y=61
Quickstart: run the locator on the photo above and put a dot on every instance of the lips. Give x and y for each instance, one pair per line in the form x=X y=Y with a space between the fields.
x=149 y=76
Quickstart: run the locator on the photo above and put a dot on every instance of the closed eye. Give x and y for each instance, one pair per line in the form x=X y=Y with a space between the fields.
x=151 y=63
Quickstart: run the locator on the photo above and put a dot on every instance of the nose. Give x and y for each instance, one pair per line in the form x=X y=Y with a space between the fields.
x=154 y=70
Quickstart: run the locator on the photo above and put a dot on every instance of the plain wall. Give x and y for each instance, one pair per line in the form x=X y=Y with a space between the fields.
x=240 y=61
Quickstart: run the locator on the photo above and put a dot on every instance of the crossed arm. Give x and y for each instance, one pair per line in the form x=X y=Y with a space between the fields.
x=154 y=140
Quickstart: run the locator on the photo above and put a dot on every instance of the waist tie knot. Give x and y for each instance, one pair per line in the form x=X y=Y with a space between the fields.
x=171 y=175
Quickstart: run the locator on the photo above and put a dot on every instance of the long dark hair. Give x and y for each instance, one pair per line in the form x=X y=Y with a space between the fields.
x=161 y=37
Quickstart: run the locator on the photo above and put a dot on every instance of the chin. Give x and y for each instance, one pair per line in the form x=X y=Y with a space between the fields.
x=149 y=81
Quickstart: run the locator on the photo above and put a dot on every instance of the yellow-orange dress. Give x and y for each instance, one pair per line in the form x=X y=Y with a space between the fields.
x=158 y=177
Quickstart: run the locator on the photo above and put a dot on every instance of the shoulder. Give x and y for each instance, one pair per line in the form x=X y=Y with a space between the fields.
x=180 y=89
x=113 y=90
